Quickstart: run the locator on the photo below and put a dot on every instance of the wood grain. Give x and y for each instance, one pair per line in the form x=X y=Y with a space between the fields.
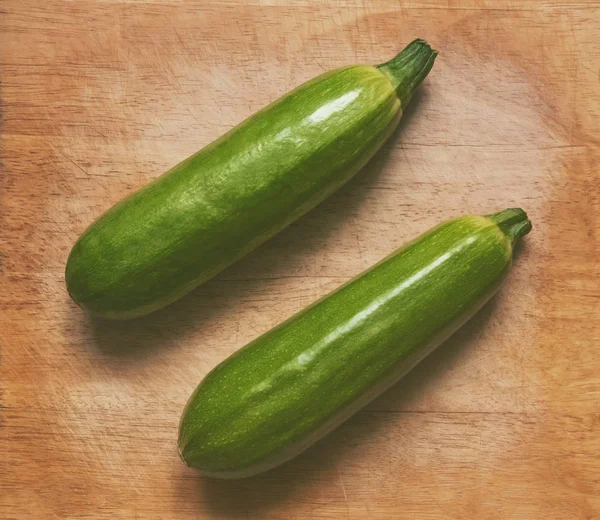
x=98 y=97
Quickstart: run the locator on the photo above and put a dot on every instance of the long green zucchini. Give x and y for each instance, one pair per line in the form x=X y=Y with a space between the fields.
x=216 y=206
x=282 y=392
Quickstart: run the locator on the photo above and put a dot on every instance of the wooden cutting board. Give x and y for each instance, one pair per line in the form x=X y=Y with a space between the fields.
x=99 y=97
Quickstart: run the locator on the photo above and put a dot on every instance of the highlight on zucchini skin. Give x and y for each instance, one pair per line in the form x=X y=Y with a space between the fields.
x=291 y=386
x=216 y=206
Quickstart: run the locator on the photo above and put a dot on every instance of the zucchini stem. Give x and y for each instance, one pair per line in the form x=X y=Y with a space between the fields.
x=513 y=222
x=409 y=68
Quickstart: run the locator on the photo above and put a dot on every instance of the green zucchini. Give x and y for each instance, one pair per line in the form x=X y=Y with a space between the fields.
x=219 y=204
x=282 y=392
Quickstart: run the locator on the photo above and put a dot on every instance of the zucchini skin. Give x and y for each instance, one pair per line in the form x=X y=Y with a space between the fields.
x=219 y=204
x=282 y=392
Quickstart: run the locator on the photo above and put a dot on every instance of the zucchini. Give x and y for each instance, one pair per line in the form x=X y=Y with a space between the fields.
x=282 y=392
x=219 y=204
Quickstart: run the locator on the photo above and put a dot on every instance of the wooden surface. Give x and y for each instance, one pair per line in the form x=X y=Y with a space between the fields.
x=99 y=97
